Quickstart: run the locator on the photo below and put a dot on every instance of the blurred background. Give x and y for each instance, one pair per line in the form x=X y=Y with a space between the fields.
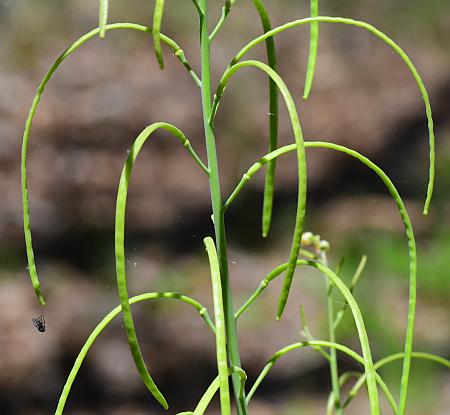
x=106 y=93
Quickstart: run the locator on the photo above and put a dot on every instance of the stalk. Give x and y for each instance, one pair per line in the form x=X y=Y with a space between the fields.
x=216 y=201
x=332 y=337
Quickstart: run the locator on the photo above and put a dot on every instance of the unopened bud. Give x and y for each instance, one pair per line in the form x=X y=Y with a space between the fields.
x=324 y=245
x=307 y=238
x=316 y=241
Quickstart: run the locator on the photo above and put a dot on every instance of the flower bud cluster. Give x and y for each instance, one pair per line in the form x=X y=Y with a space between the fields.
x=314 y=241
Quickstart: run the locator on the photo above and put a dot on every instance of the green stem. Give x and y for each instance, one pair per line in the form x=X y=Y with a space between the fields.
x=221 y=340
x=332 y=337
x=225 y=11
x=178 y=52
x=122 y=193
x=396 y=48
x=390 y=359
x=202 y=311
x=103 y=17
x=354 y=281
x=320 y=343
x=301 y=165
x=412 y=252
x=212 y=389
x=263 y=286
x=216 y=201
x=309 y=337
x=343 y=379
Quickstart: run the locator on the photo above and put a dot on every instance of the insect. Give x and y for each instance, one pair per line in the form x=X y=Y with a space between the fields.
x=39 y=323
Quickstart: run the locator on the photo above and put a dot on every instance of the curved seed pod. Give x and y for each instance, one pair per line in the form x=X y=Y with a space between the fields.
x=273 y=121
x=273 y=108
x=301 y=165
x=221 y=337
x=412 y=252
x=366 y=359
x=29 y=122
x=392 y=358
x=120 y=248
x=396 y=48
x=316 y=343
x=157 y=20
x=313 y=46
x=202 y=311
x=363 y=338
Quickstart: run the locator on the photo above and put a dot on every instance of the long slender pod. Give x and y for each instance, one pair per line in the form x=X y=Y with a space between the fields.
x=301 y=165
x=26 y=135
x=318 y=343
x=363 y=338
x=221 y=337
x=120 y=248
x=391 y=358
x=396 y=48
x=102 y=17
x=273 y=108
x=412 y=251
x=212 y=390
x=313 y=46
x=202 y=311
x=273 y=121
x=157 y=20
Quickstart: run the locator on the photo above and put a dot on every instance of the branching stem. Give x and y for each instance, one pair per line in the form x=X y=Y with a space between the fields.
x=216 y=201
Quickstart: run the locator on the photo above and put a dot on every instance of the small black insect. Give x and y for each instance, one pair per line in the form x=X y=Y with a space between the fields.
x=39 y=323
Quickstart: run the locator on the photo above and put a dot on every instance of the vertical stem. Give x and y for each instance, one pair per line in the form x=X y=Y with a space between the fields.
x=216 y=201
x=332 y=337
